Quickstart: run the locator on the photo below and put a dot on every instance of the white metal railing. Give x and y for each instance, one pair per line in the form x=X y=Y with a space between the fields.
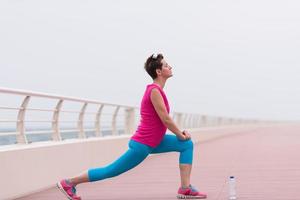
x=183 y=120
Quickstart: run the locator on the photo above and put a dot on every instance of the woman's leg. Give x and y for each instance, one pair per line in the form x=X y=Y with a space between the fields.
x=136 y=153
x=185 y=147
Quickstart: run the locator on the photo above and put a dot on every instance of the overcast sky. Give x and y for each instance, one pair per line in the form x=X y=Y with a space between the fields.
x=229 y=58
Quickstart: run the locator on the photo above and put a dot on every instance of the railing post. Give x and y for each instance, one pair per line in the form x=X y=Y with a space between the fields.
x=219 y=121
x=195 y=121
x=80 y=121
x=97 y=121
x=129 y=120
x=215 y=121
x=227 y=121
x=198 y=121
x=21 y=137
x=55 y=122
x=190 y=121
x=178 y=119
x=203 y=120
x=224 y=121
x=114 y=121
x=186 y=121
x=184 y=126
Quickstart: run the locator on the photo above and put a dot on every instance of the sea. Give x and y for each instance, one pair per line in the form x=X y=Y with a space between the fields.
x=11 y=139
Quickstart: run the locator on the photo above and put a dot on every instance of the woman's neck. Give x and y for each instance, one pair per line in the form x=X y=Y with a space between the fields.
x=160 y=82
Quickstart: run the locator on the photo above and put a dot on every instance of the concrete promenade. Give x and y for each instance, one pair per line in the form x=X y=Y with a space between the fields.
x=265 y=162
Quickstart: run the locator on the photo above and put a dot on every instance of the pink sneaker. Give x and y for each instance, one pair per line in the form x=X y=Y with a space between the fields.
x=190 y=193
x=68 y=189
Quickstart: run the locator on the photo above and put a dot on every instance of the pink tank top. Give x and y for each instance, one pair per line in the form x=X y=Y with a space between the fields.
x=151 y=129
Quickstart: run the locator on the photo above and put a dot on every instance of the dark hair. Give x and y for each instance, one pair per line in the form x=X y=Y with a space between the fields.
x=152 y=63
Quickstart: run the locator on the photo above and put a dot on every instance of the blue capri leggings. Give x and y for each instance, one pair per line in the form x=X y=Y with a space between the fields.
x=137 y=152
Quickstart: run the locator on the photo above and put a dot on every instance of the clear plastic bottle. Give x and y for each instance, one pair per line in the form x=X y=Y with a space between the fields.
x=232 y=192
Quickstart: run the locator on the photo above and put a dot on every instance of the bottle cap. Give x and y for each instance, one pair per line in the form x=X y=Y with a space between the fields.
x=231 y=176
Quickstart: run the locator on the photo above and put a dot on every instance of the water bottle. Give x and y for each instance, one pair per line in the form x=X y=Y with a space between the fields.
x=232 y=192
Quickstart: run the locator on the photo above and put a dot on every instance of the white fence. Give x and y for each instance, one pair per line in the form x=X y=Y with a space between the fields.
x=119 y=119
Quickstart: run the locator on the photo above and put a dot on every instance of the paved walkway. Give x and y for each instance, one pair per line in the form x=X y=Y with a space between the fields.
x=265 y=161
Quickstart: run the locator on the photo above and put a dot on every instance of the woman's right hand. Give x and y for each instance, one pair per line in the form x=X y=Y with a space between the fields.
x=184 y=135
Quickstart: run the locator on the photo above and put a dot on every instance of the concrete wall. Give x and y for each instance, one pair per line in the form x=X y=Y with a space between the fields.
x=25 y=169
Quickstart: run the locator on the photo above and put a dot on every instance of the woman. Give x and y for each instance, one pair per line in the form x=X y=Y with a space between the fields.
x=149 y=137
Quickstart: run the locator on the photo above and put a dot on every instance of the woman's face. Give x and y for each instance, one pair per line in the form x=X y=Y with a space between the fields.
x=166 y=69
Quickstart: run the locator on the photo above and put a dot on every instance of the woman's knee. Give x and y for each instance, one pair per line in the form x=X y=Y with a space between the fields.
x=190 y=144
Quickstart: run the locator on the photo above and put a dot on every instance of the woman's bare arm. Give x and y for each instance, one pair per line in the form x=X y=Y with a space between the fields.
x=160 y=108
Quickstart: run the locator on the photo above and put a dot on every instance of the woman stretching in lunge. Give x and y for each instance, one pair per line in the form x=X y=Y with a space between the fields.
x=149 y=138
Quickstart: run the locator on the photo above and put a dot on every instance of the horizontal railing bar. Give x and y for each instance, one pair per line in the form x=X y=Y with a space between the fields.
x=74 y=130
x=106 y=114
x=10 y=108
x=36 y=121
x=50 y=131
x=47 y=110
x=69 y=111
x=54 y=96
x=38 y=132
x=72 y=111
x=39 y=121
x=8 y=121
x=52 y=110
x=68 y=130
x=7 y=133
x=40 y=109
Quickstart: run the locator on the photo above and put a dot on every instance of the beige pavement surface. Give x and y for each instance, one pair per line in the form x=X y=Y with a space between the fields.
x=265 y=162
